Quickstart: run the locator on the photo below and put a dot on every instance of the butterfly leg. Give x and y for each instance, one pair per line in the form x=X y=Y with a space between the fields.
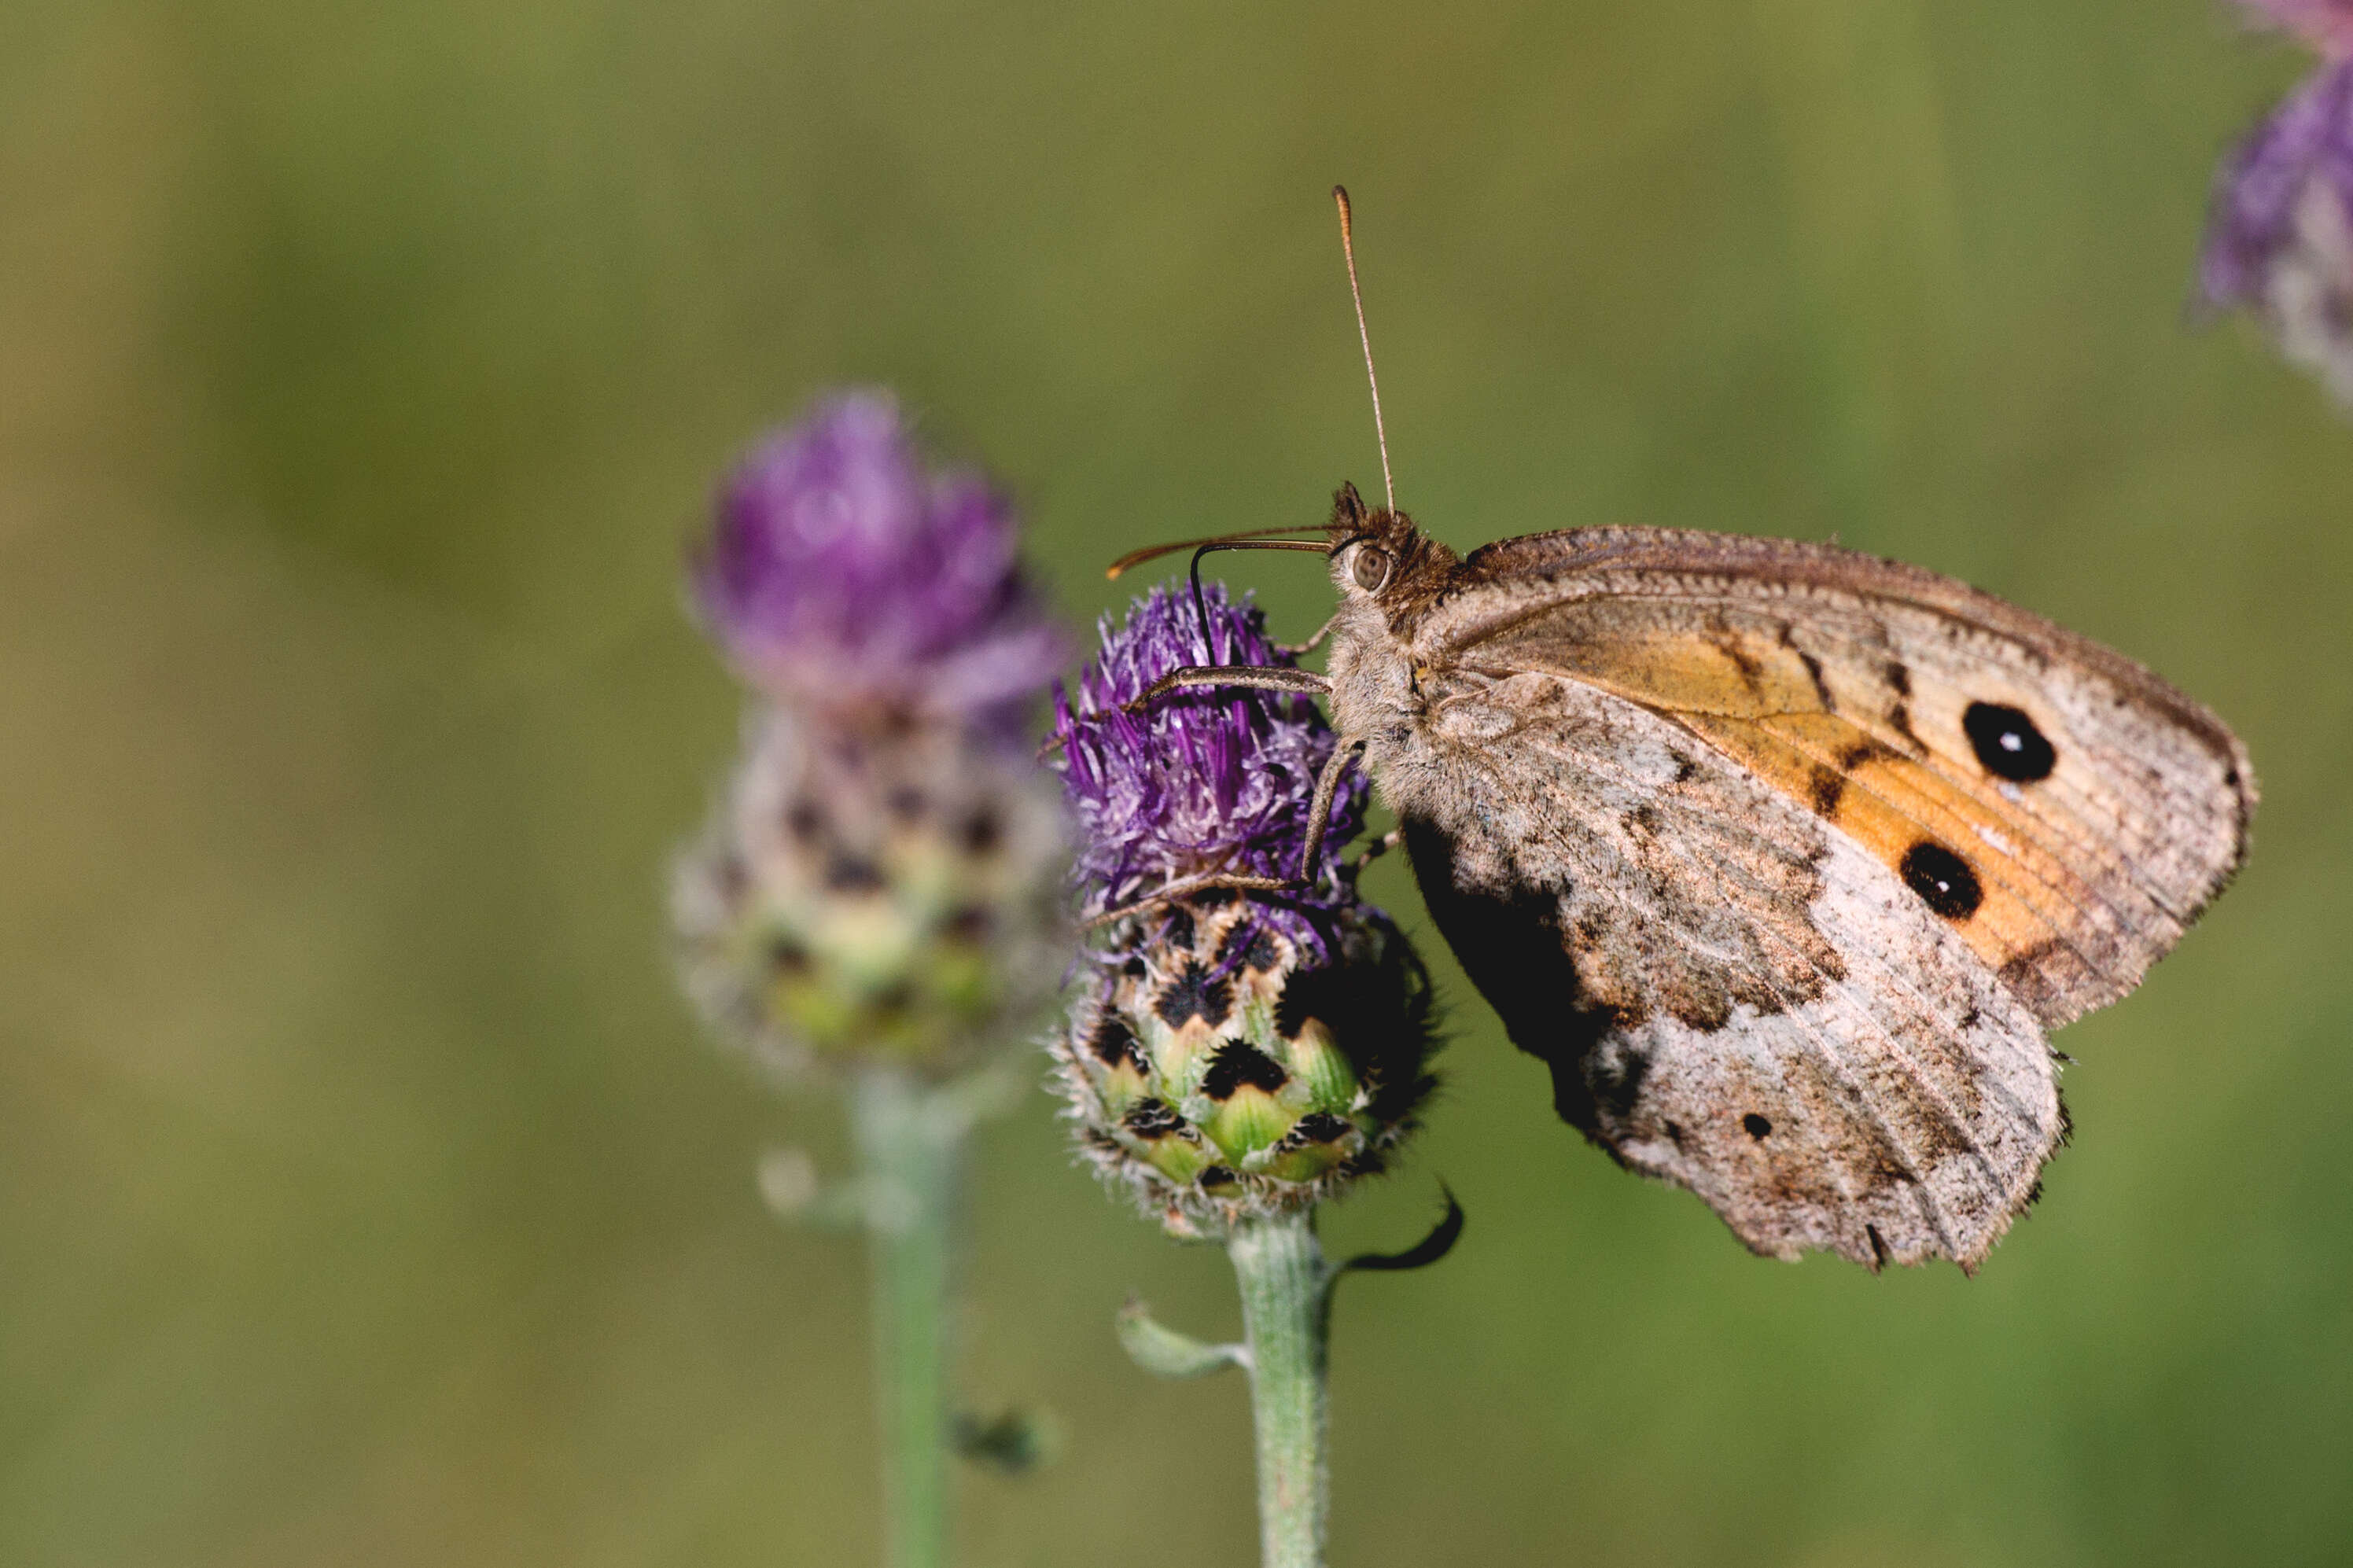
x=1185 y=890
x=1319 y=821
x=1319 y=809
x=1268 y=677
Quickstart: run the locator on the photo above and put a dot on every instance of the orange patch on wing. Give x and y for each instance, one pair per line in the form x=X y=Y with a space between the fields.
x=1891 y=803
x=1850 y=738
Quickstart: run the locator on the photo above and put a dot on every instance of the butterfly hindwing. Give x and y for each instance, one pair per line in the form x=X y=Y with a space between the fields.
x=1732 y=995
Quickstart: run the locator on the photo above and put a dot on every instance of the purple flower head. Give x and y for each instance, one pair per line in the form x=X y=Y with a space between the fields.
x=2326 y=25
x=2279 y=235
x=843 y=573
x=1202 y=782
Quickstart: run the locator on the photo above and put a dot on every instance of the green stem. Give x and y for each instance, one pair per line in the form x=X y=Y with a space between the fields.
x=1286 y=1323
x=910 y=1143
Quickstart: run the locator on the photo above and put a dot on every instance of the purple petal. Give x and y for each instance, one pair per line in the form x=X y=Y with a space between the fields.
x=1217 y=780
x=2279 y=238
x=839 y=571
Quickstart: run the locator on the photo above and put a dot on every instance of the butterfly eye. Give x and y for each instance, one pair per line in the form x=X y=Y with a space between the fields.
x=1371 y=568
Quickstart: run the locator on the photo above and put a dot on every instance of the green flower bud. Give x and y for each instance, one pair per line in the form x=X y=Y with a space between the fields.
x=884 y=894
x=1221 y=1068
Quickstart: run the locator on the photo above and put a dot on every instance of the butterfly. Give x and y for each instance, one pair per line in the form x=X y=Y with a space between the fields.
x=1784 y=857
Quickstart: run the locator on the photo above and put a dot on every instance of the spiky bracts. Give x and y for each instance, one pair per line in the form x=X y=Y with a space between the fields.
x=1218 y=1070
x=1229 y=1056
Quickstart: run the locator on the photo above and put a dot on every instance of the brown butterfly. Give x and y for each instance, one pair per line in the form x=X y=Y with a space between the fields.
x=1783 y=857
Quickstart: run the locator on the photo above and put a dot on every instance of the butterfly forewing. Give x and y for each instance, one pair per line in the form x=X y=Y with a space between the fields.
x=2068 y=810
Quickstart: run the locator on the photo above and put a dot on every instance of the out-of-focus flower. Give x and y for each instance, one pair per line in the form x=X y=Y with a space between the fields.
x=2326 y=25
x=879 y=887
x=876 y=897
x=2279 y=238
x=843 y=575
x=1230 y=1055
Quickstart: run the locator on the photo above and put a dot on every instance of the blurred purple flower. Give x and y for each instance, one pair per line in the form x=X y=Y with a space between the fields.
x=2279 y=237
x=1212 y=781
x=842 y=575
x=2328 y=24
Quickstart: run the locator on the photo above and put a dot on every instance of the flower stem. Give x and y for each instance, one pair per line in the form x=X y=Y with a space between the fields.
x=1286 y=1322
x=910 y=1143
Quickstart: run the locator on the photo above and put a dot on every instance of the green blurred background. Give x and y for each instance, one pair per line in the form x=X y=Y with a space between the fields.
x=366 y=1195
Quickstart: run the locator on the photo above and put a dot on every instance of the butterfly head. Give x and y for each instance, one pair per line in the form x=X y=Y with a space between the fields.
x=1378 y=554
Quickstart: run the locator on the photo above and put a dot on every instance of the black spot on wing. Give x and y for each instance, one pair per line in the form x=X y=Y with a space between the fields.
x=1824 y=789
x=1943 y=880
x=2007 y=743
x=1756 y=1126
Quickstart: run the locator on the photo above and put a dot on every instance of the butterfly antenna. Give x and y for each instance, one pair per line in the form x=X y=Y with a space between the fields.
x=1348 y=249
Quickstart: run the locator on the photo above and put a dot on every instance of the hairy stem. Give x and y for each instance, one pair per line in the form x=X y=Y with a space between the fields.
x=1285 y=1322
x=910 y=1143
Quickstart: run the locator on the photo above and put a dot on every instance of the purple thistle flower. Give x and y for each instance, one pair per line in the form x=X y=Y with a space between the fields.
x=2279 y=237
x=1212 y=781
x=842 y=575
x=1232 y=1057
x=880 y=885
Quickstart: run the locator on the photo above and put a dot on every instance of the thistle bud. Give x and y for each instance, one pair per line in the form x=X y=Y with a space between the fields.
x=1230 y=1055
x=879 y=885
x=888 y=895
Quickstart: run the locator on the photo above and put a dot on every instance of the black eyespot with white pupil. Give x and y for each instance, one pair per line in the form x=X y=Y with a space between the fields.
x=1942 y=879
x=2007 y=743
x=1370 y=568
